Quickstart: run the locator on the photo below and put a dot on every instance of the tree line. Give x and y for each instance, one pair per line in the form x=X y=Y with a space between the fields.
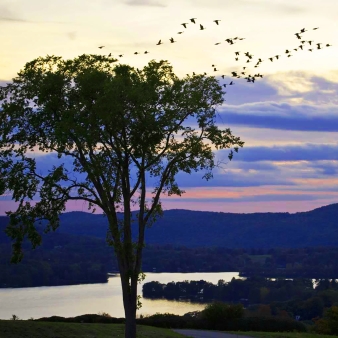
x=283 y=297
x=67 y=259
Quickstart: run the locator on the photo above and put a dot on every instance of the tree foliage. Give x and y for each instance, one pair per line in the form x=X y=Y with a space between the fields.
x=119 y=125
x=328 y=324
x=215 y=314
x=126 y=132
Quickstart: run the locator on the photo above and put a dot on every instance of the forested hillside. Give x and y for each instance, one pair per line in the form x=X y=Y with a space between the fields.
x=266 y=244
x=205 y=229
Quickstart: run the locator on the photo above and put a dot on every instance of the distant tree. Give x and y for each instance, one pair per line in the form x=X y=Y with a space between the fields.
x=127 y=133
x=217 y=314
x=15 y=317
x=329 y=323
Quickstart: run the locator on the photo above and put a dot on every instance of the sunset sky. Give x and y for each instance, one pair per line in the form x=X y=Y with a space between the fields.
x=288 y=119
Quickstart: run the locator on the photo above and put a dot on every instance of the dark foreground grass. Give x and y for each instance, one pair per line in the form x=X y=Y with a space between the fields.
x=281 y=335
x=31 y=329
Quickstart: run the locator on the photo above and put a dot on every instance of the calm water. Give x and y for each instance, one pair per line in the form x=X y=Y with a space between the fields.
x=74 y=300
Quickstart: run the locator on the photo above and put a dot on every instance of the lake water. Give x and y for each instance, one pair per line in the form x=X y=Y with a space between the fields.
x=74 y=300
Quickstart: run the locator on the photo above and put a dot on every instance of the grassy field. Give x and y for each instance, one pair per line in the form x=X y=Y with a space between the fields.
x=30 y=329
x=281 y=335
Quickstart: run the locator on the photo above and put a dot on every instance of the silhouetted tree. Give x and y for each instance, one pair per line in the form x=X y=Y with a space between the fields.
x=126 y=132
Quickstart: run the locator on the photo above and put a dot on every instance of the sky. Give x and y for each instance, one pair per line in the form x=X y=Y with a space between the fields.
x=288 y=119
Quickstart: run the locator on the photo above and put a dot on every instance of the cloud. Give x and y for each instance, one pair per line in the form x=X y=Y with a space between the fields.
x=6 y=14
x=231 y=178
x=258 y=198
x=307 y=152
x=13 y=19
x=254 y=5
x=282 y=116
x=150 y=3
x=291 y=87
x=326 y=168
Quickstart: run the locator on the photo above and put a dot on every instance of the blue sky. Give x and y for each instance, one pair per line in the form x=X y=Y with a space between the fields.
x=288 y=119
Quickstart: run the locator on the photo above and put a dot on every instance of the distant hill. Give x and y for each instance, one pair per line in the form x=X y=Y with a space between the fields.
x=318 y=227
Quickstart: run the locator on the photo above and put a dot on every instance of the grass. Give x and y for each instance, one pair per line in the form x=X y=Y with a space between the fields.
x=281 y=335
x=29 y=329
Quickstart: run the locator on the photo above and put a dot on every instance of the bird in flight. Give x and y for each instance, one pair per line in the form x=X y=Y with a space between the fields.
x=136 y=53
x=277 y=56
x=310 y=50
x=172 y=40
x=201 y=27
x=222 y=76
x=217 y=21
x=236 y=59
x=315 y=28
x=109 y=55
x=231 y=83
x=193 y=20
x=303 y=30
x=120 y=55
x=184 y=24
x=271 y=59
x=328 y=45
x=146 y=52
x=217 y=43
x=310 y=42
x=287 y=51
x=215 y=70
x=236 y=53
x=159 y=43
x=298 y=36
x=318 y=45
x=301 y=47
x=101 y=47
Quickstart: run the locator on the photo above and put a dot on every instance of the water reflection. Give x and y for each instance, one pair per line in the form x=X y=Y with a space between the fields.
x=74 y=300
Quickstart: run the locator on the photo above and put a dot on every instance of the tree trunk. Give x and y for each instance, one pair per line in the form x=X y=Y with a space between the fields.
x=130 y=325
x=129 y=291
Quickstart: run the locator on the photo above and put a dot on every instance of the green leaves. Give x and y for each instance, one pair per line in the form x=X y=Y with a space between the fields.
x=118 y=125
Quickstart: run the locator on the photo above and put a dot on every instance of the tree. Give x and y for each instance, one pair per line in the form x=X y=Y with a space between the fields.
x=125 y=132
x=217 y=314
x=329 y=323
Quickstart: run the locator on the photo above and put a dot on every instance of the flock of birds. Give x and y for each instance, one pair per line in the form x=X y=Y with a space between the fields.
x=231 y=41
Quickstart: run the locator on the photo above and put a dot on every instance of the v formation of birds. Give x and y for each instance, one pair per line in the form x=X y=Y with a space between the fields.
x=303 y=45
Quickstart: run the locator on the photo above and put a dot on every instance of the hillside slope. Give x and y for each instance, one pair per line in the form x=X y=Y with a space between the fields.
x=318 y=227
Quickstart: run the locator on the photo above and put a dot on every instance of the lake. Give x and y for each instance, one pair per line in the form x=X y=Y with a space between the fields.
x=75 y=300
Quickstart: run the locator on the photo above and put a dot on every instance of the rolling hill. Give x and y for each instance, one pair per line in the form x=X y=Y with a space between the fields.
x=318 y=227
